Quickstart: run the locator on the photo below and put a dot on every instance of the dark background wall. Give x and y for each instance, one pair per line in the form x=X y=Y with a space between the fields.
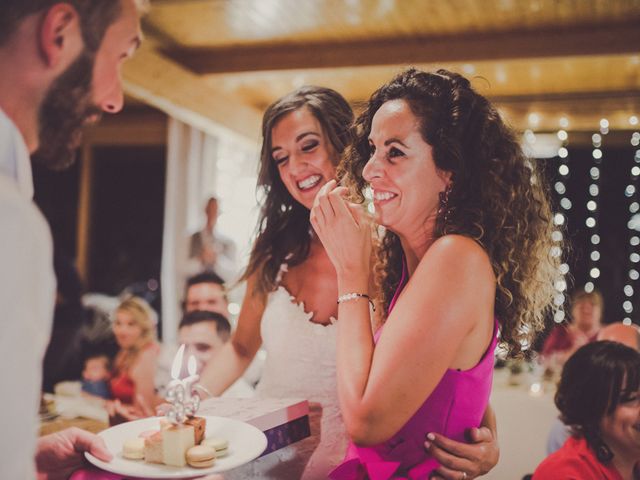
x=126 y=214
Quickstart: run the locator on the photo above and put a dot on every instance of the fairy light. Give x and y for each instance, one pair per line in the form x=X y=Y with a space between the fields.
x=559 y=220
x=593 y=205
x=631 y=192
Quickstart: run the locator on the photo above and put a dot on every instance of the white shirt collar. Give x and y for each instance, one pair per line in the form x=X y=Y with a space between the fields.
x=15 y=161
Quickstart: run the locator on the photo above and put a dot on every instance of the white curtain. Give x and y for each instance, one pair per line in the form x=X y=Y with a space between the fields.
x=191 y=169
x=200 y=165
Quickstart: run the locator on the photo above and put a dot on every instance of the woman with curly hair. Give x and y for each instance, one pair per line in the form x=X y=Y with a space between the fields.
x=289 y=307
x=598 y=397
x=465 y=251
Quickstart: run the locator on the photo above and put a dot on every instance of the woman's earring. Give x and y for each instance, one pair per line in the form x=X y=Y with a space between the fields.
x=603 y=452
x=443 y=210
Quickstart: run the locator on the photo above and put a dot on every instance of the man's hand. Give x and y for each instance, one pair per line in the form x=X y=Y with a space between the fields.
x=59 y=454
x=464 y=461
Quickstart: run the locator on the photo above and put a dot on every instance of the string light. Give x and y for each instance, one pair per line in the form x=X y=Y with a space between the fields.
x=559 y=220
x=592 y=205
x=631 y=192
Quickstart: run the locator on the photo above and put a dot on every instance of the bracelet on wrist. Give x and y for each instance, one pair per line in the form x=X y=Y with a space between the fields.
x=355 y=296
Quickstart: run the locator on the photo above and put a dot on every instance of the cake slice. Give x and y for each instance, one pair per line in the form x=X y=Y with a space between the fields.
x=153 y=451
x=199 y=425
x=177 y=440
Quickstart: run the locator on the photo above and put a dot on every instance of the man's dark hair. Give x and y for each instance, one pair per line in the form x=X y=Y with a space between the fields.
x=95 y=17
x=205 y=277
x=223 y=327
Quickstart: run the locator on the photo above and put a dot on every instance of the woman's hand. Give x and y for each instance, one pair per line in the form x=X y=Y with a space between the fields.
x=120 y=412
x=345 y=231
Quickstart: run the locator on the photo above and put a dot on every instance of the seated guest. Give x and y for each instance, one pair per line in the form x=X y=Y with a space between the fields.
x=96 y=375
x=564 y=339
x=598 y=398
x=619 y=332
x=206 y=291
x=134 y=327
x=628 y=335
x=203 y=334
x=203 y=329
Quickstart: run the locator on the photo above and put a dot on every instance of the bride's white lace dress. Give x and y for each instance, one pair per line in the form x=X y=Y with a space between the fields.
x=301 y=363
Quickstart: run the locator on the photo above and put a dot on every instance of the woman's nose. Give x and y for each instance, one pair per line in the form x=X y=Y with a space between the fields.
x=372 y=169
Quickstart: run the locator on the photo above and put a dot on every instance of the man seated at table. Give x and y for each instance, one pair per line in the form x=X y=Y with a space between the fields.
x=203 y=334
x=203 y=329
x=206 y=291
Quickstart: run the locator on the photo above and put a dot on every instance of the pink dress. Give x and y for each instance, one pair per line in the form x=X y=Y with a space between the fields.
x=457 y=403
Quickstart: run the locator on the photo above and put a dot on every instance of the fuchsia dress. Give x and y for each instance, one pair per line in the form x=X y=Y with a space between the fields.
x=457 y=403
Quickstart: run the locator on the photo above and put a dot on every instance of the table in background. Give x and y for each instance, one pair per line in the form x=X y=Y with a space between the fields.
x=59 y=423
x=524 y=419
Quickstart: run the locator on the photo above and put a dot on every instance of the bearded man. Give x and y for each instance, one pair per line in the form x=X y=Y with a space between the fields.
x=60 y=64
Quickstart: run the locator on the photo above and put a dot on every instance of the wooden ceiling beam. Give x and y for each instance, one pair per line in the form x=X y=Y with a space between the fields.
x=557 y=42
x=161 y=83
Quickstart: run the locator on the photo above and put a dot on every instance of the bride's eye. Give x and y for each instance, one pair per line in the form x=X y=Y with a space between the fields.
x=308 y=147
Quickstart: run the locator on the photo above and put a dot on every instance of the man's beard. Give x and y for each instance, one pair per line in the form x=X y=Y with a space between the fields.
x=66 y=109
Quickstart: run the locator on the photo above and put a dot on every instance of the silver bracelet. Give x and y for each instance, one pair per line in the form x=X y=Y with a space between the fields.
x=354 y=296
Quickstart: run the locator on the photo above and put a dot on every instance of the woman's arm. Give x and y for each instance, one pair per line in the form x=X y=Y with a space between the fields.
x=447 y=305
x=443 y=319
x=236 y=355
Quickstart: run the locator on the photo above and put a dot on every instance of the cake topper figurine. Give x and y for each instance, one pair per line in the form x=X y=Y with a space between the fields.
x=181 y=393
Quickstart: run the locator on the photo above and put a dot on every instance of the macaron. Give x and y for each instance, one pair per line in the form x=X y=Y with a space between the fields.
x=220 y=445
x=201 y=456
x=133 y=449
x=147 y=433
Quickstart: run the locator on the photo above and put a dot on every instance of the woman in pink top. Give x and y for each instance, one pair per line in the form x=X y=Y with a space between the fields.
x=466 y=241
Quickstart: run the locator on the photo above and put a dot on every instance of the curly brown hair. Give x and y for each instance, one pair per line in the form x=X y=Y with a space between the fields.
x=497 y=196
x=283 y=226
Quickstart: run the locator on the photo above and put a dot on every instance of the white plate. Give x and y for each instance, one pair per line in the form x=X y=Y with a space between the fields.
x=246 y=443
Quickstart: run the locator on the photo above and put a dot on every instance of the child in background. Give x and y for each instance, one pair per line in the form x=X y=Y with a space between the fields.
x=96 y=375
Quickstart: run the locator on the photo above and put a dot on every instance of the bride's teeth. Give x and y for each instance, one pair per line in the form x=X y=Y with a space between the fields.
x=309 y=182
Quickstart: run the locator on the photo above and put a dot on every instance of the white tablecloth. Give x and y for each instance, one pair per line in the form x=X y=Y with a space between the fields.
x=524 y=420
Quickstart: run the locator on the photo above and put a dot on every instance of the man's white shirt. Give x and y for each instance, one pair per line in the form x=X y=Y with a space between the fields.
x=27 y=293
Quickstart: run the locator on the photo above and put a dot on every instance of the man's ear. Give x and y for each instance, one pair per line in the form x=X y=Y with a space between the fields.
x=60 y=36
